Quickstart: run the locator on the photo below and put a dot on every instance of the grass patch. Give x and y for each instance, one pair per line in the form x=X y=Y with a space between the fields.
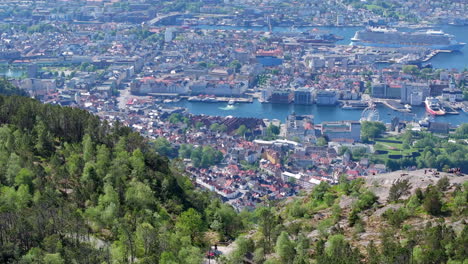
x=390 y=146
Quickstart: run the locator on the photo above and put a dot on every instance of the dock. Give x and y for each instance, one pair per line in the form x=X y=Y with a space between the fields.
x=449 y=109
x=221 y=99
x=392 y=104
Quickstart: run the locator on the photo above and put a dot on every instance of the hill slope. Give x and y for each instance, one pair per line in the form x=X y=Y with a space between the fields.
x=76 y=190
x=414 y=218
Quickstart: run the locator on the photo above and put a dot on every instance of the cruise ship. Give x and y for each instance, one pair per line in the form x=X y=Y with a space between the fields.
x=391 y=38
x=433 y=106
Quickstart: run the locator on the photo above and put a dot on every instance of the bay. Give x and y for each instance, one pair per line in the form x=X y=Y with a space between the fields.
x=321 y=113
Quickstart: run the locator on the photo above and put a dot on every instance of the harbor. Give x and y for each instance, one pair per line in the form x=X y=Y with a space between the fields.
x=260 y=110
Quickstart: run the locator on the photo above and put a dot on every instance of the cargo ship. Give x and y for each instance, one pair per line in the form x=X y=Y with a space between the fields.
x=433 y=106
x=391 y=38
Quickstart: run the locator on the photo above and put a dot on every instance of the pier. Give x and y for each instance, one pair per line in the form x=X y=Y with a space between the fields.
x=392 y=104
x=450 y=109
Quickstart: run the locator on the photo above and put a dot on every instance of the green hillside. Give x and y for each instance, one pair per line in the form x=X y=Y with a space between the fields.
x=74 y=189
x=401 y=217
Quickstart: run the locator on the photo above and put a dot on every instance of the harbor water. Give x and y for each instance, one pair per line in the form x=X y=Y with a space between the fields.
x=320 y=113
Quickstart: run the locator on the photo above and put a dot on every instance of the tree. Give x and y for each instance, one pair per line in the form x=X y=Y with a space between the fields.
x=398 y=189
x=190 y=255
x=259 y=255
x=266 y=224
x=175 y=118
x=24 y=176
x=371 y=130
x=242 y=130
x=392 y=164
x=189 y=223
x=53 y=259
x=146 y=238
x=272 y=131
x=338 y=251
x=432 y=202
x=302 y=250
x=205 y=156
x=321 y=141
x=243 y=246
x=462 y=131
x=168 y=258
x=13 y=167
x=443 y=184
x=235 y=64
x=137 y=162
x=411 y=69
x=368 y=87
x=320 y=190
x=196 y=156
x=214 y=127
x=88 y=148
x=163 y=146
x=44 y=140
x=185 y=150
x=285 y=248
x=139 y=195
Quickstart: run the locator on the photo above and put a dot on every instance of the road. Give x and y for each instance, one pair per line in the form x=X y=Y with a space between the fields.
x=123 y=98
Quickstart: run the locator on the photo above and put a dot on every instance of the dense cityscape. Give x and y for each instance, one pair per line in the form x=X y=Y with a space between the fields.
x=179 y=73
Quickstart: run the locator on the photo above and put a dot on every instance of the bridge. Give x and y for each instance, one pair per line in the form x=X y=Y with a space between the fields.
x=163 y=18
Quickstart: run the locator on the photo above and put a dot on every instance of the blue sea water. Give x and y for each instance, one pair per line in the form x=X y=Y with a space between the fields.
x=321 y=113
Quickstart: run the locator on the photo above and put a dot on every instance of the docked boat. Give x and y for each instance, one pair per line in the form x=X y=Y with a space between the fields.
x=210 y=100
x=433 y=106
x=355 y=105
x=195 y=99
x=425 y=121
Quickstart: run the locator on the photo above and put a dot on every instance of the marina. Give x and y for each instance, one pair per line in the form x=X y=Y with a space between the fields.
x=321 y=113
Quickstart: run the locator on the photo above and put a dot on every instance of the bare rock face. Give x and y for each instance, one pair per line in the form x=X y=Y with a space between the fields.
x=347 y=201
x=380 y=184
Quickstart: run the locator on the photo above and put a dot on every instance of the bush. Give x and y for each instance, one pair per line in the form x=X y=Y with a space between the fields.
x=443 y=183
x=396 y=217
x=365 y=201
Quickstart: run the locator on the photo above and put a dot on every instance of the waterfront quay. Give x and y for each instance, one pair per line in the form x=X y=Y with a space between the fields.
x=392 y=104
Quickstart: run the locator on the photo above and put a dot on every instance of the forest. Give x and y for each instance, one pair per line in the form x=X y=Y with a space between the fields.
x=74 y=189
